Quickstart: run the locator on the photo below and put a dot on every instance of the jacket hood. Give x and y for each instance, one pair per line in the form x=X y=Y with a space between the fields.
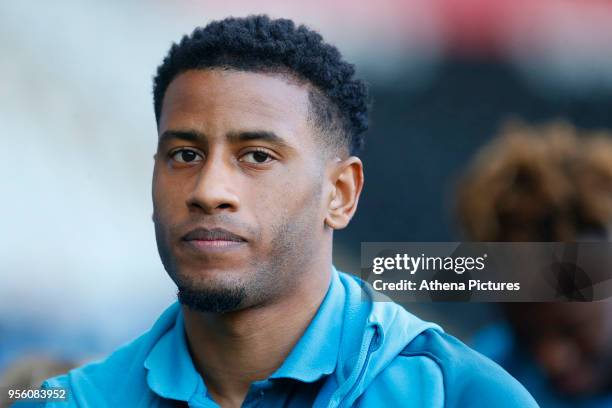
x=374 y=333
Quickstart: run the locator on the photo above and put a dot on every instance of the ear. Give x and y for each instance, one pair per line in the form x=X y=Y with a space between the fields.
x=346 y=178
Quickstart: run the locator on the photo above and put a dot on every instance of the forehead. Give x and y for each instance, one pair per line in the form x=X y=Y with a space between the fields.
x=229 y=100
x=546 y=315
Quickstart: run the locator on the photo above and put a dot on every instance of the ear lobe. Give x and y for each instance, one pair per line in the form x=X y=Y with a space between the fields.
x=347 y=179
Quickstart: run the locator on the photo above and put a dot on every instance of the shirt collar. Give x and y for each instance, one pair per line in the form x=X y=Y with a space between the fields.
x=316 y=353
x=172 y=374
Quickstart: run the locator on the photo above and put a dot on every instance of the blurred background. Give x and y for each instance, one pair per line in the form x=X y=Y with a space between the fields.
x=79 y=270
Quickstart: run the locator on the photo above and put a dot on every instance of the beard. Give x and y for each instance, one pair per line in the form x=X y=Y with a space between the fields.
x=213 y=300
x=263 y=279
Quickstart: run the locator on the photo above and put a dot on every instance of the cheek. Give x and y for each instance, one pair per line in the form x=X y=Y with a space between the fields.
x=596 y=346
x=280 y=199
x=167 y=196
x=295 y=193
x=269 y=202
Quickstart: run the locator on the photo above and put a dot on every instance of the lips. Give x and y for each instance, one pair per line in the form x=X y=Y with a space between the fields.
x=215 y=234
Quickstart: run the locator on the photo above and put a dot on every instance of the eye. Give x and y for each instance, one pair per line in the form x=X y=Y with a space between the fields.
x=257 y=157
x=186 y=156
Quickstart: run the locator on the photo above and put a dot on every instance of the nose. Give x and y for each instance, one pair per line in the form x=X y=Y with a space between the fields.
x=557 y=356
x=215 y=188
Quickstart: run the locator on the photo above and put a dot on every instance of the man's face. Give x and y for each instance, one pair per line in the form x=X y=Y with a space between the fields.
x=572 y=342
x=237 y=187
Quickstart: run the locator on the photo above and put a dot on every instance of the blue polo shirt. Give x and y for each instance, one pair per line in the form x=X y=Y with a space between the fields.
x=172 y=374
x=354 y=353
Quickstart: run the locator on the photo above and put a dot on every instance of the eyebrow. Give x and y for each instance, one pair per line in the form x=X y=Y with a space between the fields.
x=232 y=137
x=187 y=135
x=262 y=135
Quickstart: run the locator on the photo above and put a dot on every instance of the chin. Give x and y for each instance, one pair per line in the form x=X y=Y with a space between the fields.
x=210 y=276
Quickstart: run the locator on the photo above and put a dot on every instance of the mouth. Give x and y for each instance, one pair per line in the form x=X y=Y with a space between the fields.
x=573 y=385
x=210 y=239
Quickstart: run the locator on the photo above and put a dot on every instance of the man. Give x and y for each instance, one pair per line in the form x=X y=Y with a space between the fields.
x=546 y=183
x=259 y=122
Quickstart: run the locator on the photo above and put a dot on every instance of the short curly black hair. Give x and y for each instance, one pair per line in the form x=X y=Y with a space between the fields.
x=339 y=101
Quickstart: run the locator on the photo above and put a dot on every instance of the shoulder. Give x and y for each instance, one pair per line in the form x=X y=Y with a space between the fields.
x=120 y=375
x=96 y=383
x=467 y=377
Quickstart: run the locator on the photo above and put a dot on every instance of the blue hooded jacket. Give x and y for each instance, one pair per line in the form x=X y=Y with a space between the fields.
x=384 y=356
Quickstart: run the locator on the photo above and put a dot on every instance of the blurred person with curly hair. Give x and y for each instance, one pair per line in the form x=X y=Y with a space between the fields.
x=548 y=183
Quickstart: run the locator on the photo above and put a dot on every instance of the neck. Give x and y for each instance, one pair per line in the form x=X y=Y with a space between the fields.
x=232 y=350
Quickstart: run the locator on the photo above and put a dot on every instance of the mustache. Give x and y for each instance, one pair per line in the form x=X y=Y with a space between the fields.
x=207 y=228
x=212 y=234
